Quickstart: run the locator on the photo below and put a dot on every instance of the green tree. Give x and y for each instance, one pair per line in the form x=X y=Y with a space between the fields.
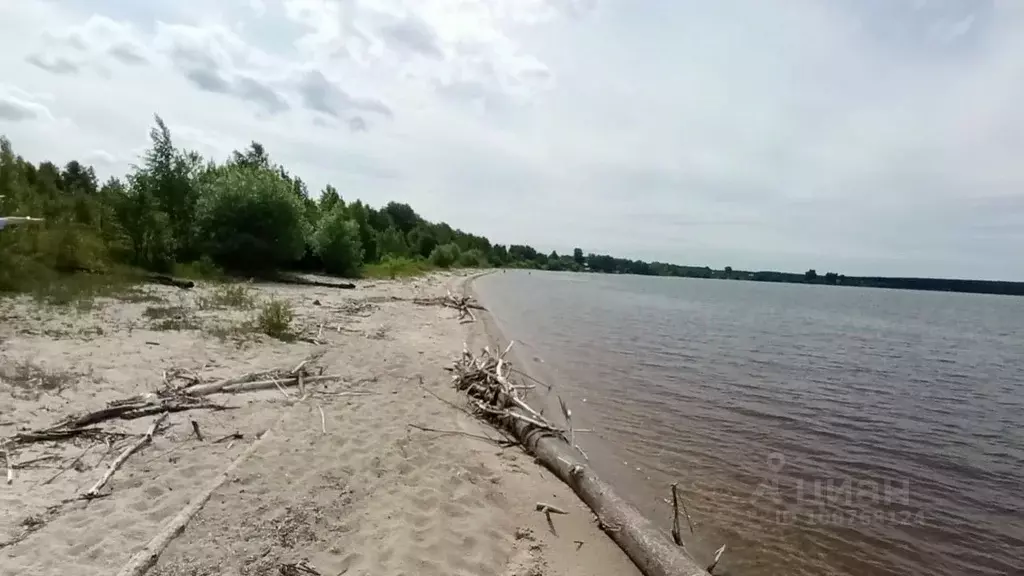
x=499 y=255
x=170 y=177
x=337 y=243
x=144 y=226
x=255 y=156
x=250 y=219
x=391 y=242
x=811 y=275
x=473 y=258
x=421 y=240
x=445 y=255
x=577 y=256
x=402 y=216
x=329 y=199
x=360 y=214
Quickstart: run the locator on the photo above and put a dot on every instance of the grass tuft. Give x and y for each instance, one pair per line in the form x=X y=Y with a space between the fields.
x=229 y=296
x=391 y=268
x=275 y=320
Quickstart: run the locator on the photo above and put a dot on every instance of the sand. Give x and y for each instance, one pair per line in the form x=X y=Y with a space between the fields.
x=371 y=495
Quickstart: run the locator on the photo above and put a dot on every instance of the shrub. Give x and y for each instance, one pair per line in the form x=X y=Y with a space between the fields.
x=250 y=219
x=444 y=256
x=229 y=296
x=473 y=259
x=275 y=320
x=202 y=269
x=336 y=242
x=395 y=268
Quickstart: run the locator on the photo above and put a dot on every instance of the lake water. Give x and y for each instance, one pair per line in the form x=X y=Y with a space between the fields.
x=812 y=429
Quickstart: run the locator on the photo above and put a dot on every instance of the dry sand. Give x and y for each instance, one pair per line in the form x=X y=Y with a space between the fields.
x=372 y=495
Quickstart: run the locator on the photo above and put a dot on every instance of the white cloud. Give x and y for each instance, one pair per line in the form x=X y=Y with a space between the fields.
x=100 y=157
x=19 y=106
x=866 y=136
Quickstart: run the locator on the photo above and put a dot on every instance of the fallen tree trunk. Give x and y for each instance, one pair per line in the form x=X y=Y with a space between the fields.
x=496 y=399
x=647 y=546
x=282 y=279
x=168 y=281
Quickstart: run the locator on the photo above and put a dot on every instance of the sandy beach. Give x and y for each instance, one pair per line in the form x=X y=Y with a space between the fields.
x=377 y=471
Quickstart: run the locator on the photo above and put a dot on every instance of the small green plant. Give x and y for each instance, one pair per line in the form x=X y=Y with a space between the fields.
x=396 y=267
x=177 y=323
x=229 y=296
x=81 y=289
x=163 y=312
x=170 y=318
x=237 y=331
x=275 y=320
x=202 y=269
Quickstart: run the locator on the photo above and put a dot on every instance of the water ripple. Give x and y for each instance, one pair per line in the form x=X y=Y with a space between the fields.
x=896 y=414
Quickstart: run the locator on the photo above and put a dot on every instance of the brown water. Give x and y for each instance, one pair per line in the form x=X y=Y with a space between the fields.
x=813 y=429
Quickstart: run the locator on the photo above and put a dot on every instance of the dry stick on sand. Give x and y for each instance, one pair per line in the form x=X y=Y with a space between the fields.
x=66 y=468
x=232 y=436
x=323 y=419
x=548 y=510
x=195 y=429
x=10 y=467
x=145 y=558
x=499 y=443
x=146 y=439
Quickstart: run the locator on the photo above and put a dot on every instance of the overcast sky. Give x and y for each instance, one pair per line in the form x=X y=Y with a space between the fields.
x=861 y=136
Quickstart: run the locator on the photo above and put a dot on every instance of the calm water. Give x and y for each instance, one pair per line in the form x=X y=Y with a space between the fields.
x=813 y=429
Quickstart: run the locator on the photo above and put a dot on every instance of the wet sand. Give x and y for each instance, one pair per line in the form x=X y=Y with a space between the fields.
x=370 y=495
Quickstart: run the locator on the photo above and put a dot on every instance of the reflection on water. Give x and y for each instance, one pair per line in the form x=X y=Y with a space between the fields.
x=813 y=429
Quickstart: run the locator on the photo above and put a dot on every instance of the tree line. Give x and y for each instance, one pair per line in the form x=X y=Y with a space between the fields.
x=178 y=212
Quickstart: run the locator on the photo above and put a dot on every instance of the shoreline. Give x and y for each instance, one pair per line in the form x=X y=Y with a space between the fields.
x=374 y=472
x=636 y=535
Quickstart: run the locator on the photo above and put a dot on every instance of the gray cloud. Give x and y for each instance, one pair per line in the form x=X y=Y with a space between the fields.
x=198 y=63
x=208 y=80
x=412 y=35
x=357 y=124
x=249 y=88
x=129 y=54
x=321 y=95
x=53 y=64
x=18 y=110
x=100 y=37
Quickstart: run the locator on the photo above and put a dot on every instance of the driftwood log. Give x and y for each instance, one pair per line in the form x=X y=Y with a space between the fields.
x=288 y=279
x=464 y=304
x=144 y=559
x=485 y=380
x=145 y=439
x=167 y=400
x=168 y=281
